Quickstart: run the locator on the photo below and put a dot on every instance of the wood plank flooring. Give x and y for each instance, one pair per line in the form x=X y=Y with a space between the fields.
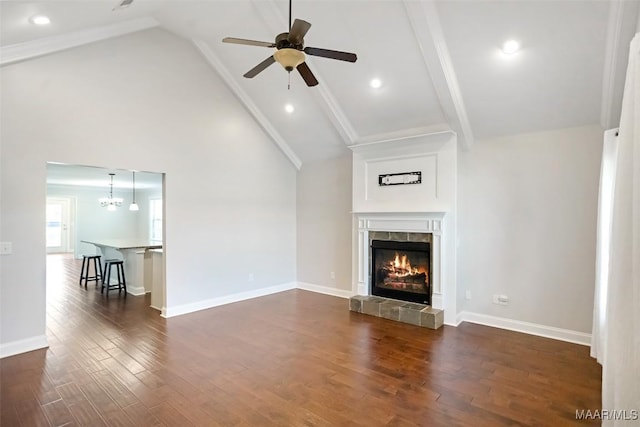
x=291 y=359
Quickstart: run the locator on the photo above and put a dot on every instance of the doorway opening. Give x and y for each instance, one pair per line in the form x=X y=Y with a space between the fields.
x=79 y=222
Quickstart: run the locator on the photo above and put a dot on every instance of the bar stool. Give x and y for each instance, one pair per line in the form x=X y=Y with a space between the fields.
x=106 y=278
x=97 y=269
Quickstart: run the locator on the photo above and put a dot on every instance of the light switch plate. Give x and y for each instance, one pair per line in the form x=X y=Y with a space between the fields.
x=6 y=248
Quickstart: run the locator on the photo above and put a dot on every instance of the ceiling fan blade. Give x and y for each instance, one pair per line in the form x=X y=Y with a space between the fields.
x=307 y=75
x=247 y=42
x=297 y=31
x=260 y=67
x=332 y=54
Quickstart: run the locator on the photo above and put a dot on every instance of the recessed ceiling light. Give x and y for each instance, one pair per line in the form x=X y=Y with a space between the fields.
x=40 y=20
x=289 y=108
x=510 y=47
x=375 y=83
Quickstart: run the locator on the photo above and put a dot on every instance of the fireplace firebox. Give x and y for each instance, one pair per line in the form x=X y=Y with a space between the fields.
x=401 y=270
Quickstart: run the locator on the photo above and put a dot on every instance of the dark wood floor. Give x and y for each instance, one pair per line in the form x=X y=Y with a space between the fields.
x=291 y=359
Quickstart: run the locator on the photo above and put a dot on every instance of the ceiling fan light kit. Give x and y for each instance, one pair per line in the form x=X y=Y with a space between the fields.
x=290 y=51
x=289 y=58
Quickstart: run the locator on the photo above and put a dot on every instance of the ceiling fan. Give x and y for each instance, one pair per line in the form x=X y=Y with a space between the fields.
x=290 y=51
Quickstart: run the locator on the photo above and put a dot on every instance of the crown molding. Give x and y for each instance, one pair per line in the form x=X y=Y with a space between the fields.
x=336 y=114
x=35 y=48
x=262 y=120
x=427 y=29
x=273 y=19
x=403 y=134
x=417 y=139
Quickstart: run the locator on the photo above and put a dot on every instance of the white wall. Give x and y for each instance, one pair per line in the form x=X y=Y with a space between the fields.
x=146 y=101
x=95 y=222
x=324 y=224
x=527 y=221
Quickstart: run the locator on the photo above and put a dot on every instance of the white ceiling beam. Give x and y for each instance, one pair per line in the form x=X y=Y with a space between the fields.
x=32 y=49
x=244 y=98
x=277 y=24
x=425 y=23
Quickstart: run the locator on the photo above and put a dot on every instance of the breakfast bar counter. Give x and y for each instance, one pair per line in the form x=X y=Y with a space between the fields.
x=134 y=253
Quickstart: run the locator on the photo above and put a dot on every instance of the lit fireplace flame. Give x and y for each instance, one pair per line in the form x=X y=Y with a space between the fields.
x=401 y=266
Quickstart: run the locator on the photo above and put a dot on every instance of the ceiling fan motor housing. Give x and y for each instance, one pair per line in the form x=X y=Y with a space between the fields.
x=288 y=54
x=283 y=42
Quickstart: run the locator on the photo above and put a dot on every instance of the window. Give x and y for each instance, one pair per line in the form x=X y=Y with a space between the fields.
x=54 y=225
x=155 y=222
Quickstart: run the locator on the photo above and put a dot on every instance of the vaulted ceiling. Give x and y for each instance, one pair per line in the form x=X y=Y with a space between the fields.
x=440 y=63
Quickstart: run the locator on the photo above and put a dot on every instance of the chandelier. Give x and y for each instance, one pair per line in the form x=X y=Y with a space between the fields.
x=110 y=202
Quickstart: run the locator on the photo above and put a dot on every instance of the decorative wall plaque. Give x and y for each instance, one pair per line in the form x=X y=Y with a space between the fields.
x=403 y=178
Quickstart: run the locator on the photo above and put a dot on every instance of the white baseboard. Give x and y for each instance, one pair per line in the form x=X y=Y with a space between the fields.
x=23 y=346
x=526 y=327
x=459 y=318
x=241 y=296
x=227 y=299
x=136 y=290
x=325 y=290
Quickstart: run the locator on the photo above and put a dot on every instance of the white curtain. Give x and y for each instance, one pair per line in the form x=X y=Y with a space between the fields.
x=616 y=340
x=603 y=247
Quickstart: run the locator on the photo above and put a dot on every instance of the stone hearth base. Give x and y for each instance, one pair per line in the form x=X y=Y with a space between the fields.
x=401 y=311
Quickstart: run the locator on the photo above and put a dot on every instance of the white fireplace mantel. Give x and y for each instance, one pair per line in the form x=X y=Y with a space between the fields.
x=410 y=222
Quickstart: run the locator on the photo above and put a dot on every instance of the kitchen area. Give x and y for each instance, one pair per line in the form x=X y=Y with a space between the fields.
x=117 y=214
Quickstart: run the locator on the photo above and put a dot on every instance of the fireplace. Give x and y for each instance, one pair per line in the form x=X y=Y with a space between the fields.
x=403 y=227
x=401 y=270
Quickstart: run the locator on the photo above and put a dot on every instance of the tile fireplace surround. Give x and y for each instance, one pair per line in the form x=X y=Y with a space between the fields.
x=400 y=226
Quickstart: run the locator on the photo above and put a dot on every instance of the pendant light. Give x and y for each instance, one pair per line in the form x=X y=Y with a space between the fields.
x=110 y=202
x=134 y=206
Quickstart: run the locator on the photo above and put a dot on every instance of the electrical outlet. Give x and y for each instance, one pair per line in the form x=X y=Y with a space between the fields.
x=467 y=295
x=333 y=275
x=500 y=299
x=6 y=248
x=250 y=277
